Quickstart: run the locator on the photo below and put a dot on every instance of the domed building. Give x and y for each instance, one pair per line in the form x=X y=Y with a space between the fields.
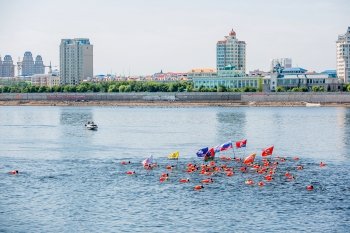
x=27 y=64
x=39 y=67
x=231 y=52
x=7 y=67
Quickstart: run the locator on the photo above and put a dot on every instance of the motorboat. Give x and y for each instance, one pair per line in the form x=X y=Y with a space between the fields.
x=312 y=104
x=91 y=125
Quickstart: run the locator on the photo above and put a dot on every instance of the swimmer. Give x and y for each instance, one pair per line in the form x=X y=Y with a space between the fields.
x=261 y=183
x=198 y=187
x=210 y=180
x=163 y=178
x=130 y=172
x=268 y=178
x=322 y=164
x=249 y=182
x=13 y=172
x=309 y=187
x=229 y=173
x=184 y=180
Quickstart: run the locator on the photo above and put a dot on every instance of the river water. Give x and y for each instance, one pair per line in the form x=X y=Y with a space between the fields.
x=71 y=180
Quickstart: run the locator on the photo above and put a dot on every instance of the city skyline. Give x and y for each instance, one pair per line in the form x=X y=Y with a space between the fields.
x=139 y=38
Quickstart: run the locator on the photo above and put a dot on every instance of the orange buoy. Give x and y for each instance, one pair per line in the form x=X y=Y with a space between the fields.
x=13 y=172
x=130 y=172
x=210 y=180
x=261 y=183
x=322 y=164
x=249 y=182
x=268 y=178
x=184 y=180
x=198 y=187
x=309 y=187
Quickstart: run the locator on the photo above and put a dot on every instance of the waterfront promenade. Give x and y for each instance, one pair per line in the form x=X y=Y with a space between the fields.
x=177 y=98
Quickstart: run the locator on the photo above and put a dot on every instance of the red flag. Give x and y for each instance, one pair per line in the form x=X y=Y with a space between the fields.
x=241 y=143
x=249 y=159
x=267 y=151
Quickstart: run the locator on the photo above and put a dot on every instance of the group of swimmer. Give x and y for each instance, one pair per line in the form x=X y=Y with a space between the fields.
x=267 y=168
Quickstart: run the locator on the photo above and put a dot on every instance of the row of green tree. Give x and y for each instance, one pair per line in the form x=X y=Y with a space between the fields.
x=120 y=86
x=143 y=86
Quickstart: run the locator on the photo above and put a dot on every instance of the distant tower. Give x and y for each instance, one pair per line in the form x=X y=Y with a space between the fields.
x=343 y=57
x=76 y=60
x=39 y=67
x=231 y=52
x=8 y=68
x=27 y=64
x=19 y=67
x=50 y=68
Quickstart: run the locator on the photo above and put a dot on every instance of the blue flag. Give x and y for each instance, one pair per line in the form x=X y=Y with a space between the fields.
x=202 y=152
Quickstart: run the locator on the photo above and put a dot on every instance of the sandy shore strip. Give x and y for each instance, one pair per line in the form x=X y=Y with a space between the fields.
x=163 y=103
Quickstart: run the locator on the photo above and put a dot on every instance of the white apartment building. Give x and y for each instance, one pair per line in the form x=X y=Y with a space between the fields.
x=76 y=60
x=231 y=52
x=48 y=80
x=343 y=57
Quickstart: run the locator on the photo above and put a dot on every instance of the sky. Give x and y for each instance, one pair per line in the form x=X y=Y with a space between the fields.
x=135 y=37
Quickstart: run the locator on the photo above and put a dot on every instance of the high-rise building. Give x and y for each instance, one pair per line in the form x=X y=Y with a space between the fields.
x=284 y=62
x=343 y=57
x=8 y=68
x=27 y=64
x=39 y=67
x=231 y=52
x=76 y=60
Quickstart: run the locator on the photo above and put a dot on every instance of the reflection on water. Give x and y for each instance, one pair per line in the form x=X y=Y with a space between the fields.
x=73 y=116
x=231 y=125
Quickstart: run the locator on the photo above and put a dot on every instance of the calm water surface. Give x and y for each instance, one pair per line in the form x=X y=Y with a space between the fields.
x=71 y=179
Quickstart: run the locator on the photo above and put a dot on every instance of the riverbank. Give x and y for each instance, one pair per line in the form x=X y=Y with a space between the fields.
x=164 y=104
x=181 y=99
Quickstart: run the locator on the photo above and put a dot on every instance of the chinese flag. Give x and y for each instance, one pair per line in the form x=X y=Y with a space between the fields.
x=267 y=151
